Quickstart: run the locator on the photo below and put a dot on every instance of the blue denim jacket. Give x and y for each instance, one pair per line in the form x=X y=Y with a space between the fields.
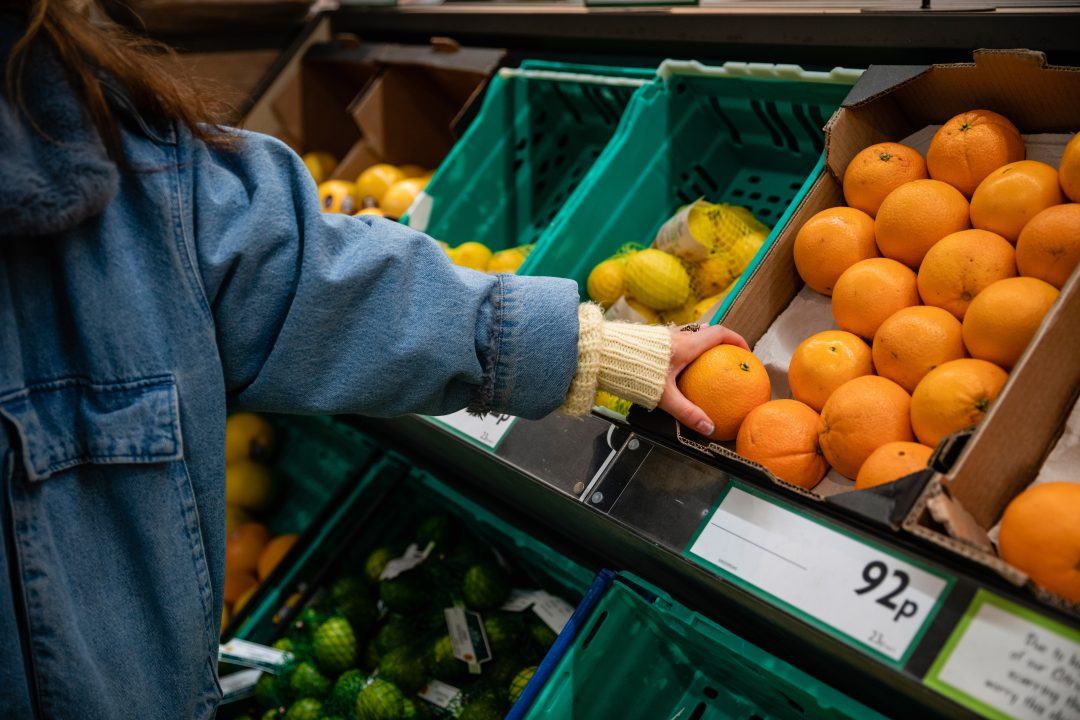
x=135 y=307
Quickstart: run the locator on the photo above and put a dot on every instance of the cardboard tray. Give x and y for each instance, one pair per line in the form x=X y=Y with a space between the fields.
x=890 y=103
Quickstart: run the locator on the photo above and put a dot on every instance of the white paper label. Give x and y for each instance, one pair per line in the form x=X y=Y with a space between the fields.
x=440 y=694
x=412 y=557
x=487 y=430
x=864 y=593
x=468 y=636
x=242 y=652
x=239 y=685
x=1016 y=666
x=553 y=610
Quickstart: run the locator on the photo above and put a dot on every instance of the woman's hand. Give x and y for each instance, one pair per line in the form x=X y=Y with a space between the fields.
x=686 y=344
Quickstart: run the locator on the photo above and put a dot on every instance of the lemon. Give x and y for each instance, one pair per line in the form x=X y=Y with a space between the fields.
x=745 y=248
x=682 y=315
x=235 y=517
x=704 y=309
x=657 y=279
x=338 y=196
x=371 y=211
x=611 y=402
x=713 y=274
x=507 y=261
x=376 y=180
x=248 y=485
x=400 y=196
x=647 y=314
x=412 y=171
x=472 y=255
x=607 y=281
x=247 y=436
x=320 y=165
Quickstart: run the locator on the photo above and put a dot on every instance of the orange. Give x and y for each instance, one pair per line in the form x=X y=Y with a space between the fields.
x=825 y=361
x=726 y=382
x=1069 y=169
x=1040 y=534
x=916 y=215
x=878 y=170
x=248 y=437
x=1049 y=245
x=244 y=597
x=861 y=416
x=1003 y=318
x=830 y=242
x=972 y=145
x=1011 y=195
x=248 y=485
x=914 y=341
x=272 y=554
x=782 y=436
x=243 y=546
x=235 y=517
x=237 y=583
x=954 y=396
x=892 y=461
x=869 y=292
x=960 y=265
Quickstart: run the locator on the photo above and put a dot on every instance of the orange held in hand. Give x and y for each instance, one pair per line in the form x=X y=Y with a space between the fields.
x=892 y=461
x=726 y=382
x=954 y=396
x=915 y=216
x=782 y=436
x=914 y=341
x=1012 y=195
x=869 y=292
x=961 y=265
x=825 y=361
x=1004 y=317
x=1040 y=534
x=878 y=170
x=861 y=416
x=972 y=145
x=829 y=243
x=1049 y=245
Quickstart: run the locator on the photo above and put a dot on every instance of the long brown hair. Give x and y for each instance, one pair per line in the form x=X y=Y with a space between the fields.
x=142 y=67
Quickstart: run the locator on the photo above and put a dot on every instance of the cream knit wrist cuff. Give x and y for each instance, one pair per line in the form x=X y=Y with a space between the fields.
x=627 y=360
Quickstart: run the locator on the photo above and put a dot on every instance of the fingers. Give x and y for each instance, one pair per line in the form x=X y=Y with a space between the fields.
x=714 y=335
x=686 y=412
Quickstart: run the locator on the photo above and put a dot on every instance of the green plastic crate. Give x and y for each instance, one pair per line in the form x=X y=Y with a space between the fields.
x=748 y=134
x=317 y=455
x=540 y=128
x=678 y=665
x=391 y=497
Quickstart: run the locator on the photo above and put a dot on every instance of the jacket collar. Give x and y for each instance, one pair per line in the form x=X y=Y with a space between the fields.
x=57 y=175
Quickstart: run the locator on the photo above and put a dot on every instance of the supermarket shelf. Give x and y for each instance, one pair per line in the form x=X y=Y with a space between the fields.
x=806 y=34
x=639 y=507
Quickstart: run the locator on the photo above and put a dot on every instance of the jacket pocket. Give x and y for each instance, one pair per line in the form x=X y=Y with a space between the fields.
x=111 y=560
x=71 y=422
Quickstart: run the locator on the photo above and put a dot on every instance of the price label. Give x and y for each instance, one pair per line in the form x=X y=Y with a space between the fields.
x=239 y=685
x=876 y=599
x=253 y=655
x=412 y=557
x=440 y=694
x=1005 y=661
x=488 y=430
x=553 y=610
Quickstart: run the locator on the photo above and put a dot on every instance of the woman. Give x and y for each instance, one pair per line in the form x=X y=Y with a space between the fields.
x=157 y=269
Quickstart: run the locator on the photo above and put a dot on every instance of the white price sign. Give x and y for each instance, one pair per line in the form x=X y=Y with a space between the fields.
x=874 y=598
x=1005 y=661
x=488 y=430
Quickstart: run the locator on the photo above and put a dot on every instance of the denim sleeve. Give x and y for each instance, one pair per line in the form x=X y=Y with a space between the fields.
x=325 y=313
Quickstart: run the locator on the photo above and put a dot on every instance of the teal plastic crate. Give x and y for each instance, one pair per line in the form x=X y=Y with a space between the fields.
x=538 y=132
x=316 y=456
x=379 y=510
x=639 y=655
x=747 y=134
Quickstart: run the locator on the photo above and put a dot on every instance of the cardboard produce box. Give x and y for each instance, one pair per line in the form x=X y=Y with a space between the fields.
x=893 y=104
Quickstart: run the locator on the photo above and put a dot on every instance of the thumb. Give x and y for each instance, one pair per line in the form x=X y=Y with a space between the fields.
x=686 y=412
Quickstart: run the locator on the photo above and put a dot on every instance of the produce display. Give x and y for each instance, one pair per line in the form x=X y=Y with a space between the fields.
x=939 y=272
x=251 y=554
x=372 y=642
x=382 y=189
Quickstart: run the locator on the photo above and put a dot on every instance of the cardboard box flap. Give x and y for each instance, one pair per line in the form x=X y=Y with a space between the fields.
x=890 y=103
x=444 y=55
